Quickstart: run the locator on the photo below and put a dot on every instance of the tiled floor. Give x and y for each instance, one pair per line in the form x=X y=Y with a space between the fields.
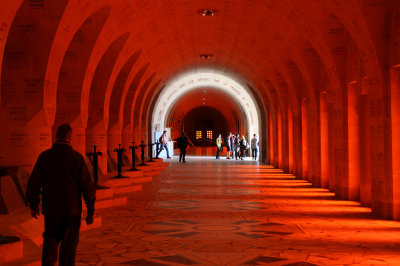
x=222 y=212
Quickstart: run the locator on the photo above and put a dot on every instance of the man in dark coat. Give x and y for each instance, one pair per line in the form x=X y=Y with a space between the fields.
x=182 y=143
x=62 y=177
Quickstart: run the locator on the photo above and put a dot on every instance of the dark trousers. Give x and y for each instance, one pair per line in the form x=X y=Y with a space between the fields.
x=242 y=153
x=254 y=153
x=218 y=151
x=64 y=230
x=182 y=154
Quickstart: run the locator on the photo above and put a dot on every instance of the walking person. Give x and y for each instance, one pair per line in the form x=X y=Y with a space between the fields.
x=229 y=145
x=254 y=147
x=182 y=143
x=218 y=141
x=62 y=177
x=164 y=144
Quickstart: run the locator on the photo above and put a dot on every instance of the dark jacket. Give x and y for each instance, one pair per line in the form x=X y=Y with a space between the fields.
x=182 y=142
x=61 y=175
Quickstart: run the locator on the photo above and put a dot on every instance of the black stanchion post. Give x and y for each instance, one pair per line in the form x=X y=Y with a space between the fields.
x=142 y=155
x=157 y=148
x=133 y=148
x=119 y=152
x=3 y=171
x=95 y=163
x=151 y=152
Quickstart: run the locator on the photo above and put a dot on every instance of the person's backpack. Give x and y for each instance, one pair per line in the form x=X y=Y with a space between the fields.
x=160 y=139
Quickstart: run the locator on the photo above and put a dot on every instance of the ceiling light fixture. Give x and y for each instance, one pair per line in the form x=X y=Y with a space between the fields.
x=206 y=56
x=207 y=12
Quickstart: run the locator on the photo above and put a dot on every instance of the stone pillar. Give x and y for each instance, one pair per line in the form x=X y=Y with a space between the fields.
x=331 y=141
x=395 y=120
x=324 y=131
x=314 y=145
x=353 y=144
x=275 y=137
x=271 y=139
x=290 y=141
x=279 y=136
x=365 y=173
x=304 y=138
x=285 y=139
x=297 y=143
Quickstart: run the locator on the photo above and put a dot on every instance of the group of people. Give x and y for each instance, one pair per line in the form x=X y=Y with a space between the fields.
x=238 y=146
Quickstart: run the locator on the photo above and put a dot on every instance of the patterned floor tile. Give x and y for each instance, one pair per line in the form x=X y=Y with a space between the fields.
x=237 y=213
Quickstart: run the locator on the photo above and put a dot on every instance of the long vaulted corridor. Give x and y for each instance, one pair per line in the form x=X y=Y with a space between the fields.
x=209 y=212
x=310 y=86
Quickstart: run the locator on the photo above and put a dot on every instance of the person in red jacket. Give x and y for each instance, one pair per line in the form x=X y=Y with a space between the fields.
x=61 y=176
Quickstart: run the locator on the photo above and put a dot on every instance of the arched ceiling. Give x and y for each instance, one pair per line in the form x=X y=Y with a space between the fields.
x=208 y=78
x=280 y=48
x=209 y=97
x=206 y=97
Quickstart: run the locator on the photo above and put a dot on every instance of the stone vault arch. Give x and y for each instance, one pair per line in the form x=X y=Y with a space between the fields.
x=206 y=78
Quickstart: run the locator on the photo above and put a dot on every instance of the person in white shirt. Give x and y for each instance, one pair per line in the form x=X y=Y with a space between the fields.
x=254 y=147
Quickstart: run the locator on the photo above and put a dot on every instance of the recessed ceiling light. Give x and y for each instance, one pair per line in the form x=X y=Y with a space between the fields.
x=207 y=12
x=206 y=56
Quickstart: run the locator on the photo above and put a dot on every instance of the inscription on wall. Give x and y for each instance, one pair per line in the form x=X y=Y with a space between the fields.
x=17 y=113
x=19 y=139
x=32 y=86
x=36 y=4
x=204 y=79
